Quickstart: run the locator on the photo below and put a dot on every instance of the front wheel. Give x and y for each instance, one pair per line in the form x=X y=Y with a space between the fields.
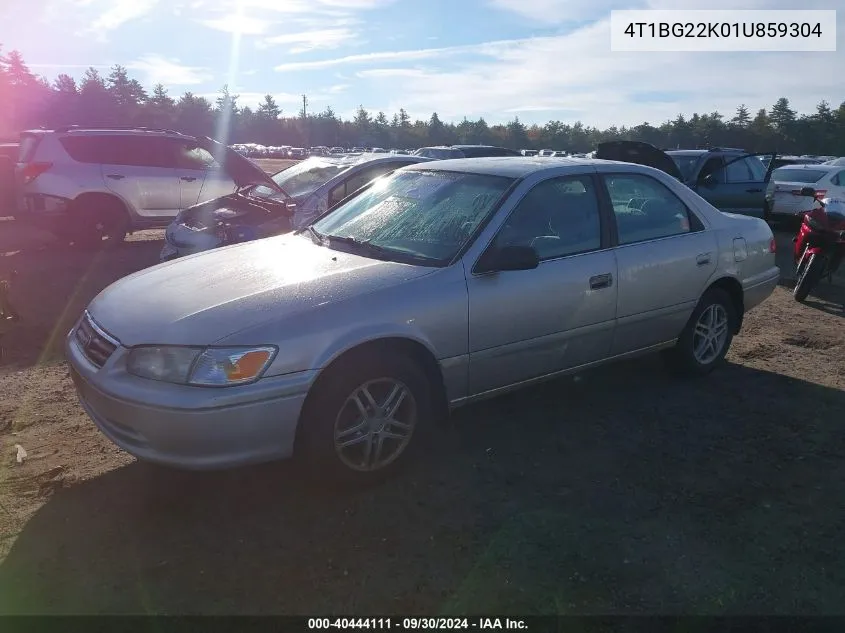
x=808 y=277
x=364 y=418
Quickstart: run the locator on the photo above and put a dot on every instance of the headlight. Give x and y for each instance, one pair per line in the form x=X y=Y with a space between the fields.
x=227 y=214
x=208 y=367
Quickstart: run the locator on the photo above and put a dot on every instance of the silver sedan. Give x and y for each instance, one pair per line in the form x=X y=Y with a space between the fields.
x=435 y=286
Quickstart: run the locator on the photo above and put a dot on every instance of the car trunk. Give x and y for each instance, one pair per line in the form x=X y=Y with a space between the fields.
x=638 y=153
x=786 y=198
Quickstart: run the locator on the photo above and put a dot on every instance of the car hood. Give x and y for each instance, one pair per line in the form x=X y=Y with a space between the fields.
x=639 y=153
x=242 y=170
x=203 y=298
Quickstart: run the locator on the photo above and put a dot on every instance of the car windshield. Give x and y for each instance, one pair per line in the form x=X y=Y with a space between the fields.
x=686 y=164
x=303 y=178
x=423 y=217
x=785 y=174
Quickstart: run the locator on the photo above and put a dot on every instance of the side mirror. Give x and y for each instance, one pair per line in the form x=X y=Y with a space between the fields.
x=807 y=192
x=509 y=258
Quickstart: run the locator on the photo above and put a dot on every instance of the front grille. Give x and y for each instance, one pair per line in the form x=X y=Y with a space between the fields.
x=95 y=345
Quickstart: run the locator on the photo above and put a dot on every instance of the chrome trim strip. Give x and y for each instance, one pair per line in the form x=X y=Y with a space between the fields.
x=100 y=330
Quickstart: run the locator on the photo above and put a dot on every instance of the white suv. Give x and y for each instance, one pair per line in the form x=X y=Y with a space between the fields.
x=87 y=184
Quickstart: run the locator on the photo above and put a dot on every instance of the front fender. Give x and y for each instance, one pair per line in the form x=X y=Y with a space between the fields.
x=369 y=333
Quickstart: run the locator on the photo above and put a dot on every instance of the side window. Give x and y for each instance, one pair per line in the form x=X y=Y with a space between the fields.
x=558 y=217
x=839 y=179
x=140 y=151
x=739 y=171
x=363 y=177
x=188 y=157
x=756 y=167
x=651 y=213
x=90 y=149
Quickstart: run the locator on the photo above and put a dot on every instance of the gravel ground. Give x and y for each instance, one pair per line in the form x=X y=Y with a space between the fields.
x=621 y=491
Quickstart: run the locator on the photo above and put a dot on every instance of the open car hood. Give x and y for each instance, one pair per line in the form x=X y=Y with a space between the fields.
x=640 y=154
x=242 y=170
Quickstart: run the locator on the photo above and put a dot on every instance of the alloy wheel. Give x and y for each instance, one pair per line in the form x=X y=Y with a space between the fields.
x=375 y=424
x=710 y=334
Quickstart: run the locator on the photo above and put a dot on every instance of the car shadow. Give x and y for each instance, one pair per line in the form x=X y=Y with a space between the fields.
x=621 y=491
x=53 y=285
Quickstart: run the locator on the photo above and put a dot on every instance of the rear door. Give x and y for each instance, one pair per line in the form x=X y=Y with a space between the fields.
x=141 y=170
x=665 y=257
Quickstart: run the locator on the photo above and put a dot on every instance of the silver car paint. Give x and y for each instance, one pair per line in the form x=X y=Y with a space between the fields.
x=489 y=333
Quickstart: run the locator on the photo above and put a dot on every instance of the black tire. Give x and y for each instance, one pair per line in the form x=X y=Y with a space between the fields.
x=808 y=277
x=101 y=224
x=315 y=445
x=682 y=358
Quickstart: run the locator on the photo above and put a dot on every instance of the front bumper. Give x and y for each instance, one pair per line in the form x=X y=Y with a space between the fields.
x=193 y=428
x=179 y=241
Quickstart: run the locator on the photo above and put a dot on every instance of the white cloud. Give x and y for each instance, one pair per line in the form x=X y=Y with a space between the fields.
x=169 y=72
x=576 y=76
x=304 y=41
x=237 y=23
x=119 y=12
x=396 y=56
x=557 y=11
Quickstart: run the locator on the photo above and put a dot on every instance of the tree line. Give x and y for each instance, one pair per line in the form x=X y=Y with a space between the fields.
x=28 y=100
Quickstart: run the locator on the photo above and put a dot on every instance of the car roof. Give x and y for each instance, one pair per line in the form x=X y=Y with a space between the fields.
x=509 y=166
x=812 y=166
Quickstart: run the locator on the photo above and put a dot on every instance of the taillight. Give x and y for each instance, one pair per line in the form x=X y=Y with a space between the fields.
x=820 y=194
x=31 y=171
x=773 y=246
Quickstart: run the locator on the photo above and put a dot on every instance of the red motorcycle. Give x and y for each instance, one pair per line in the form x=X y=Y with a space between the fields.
x=819 y=245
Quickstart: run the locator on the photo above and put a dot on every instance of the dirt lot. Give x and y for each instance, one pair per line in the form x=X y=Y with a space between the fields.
x=621 y=491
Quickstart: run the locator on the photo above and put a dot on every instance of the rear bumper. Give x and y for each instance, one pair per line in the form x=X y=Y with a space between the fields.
x=757 y=289
x=43 y=211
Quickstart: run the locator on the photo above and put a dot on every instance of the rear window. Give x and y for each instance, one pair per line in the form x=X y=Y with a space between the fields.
x=797 y=175
x=29 y=143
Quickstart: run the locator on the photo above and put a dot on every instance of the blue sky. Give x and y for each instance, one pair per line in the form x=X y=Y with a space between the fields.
x=538 y=59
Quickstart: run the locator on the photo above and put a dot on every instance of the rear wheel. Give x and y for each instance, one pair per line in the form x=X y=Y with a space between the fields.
x=809 y=275
x=707 y=336
x=98 y=224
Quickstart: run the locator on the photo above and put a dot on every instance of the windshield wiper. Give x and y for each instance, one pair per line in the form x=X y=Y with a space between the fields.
x=379 y=252
x=316 y=236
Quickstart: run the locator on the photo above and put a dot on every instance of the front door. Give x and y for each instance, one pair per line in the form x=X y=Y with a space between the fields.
x=665 y=257
x=526 y=324
x=735 y=185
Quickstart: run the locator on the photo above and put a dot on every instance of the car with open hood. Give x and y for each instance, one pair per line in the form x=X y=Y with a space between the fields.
x=438 y=285
x=274 y=205
x=730 y=179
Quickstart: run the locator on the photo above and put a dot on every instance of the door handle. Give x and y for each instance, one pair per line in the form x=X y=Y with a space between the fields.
x=601 y=281
x=188 y=178
x=753 y=191
x=703 y=259
x=116 y=176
